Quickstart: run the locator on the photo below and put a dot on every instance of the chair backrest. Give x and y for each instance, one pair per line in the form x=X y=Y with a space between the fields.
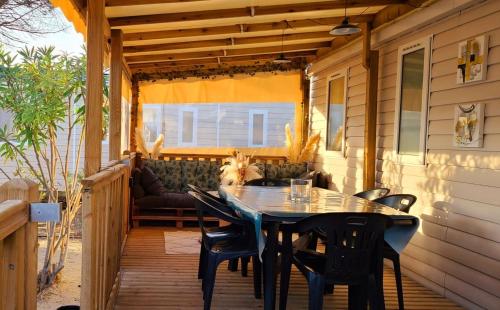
x=373 y=194
x=354 y=243
x=195 y=188
x=207 y=205
x=267 y=182
x=401 y=202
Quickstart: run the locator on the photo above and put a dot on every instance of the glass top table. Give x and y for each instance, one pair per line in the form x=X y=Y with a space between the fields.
x=273 y=206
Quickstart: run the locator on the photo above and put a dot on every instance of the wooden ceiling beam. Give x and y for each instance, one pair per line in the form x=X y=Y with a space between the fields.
x=232 y=52
x=230 y=43
x=273 y=10
x=233 y=30
x=111 y=3
x=217 y=60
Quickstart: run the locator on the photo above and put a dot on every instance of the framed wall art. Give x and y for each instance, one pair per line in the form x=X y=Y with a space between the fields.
x=469 y=122
x=471 y=62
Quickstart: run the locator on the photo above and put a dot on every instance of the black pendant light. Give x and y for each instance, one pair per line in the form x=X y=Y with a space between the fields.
x=345 y=28
x=281 y=59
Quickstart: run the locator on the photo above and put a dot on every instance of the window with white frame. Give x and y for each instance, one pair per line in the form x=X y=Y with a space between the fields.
x=151 y=119
x=336 y=98
x=411 y=102
x=257 y=129
x=188 y=121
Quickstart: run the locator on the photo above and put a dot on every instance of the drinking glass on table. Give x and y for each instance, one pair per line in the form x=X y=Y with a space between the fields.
x=300 y=190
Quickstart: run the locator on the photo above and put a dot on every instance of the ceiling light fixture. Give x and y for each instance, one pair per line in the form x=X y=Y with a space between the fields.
x=345 y=28
x=281 y=59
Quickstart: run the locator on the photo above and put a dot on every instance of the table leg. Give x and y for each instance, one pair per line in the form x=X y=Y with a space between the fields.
x=270 y=256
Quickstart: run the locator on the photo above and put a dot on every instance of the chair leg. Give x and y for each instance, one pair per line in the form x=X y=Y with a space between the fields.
x=399 y=284
x=357 y=297
x=209 y=280
x=244 y=266
x=232 y=265
x=202 y=261
x=286 y=267
x=316 y=287
x=257 y=277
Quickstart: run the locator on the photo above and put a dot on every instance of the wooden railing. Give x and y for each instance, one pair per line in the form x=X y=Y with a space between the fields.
x=18 y=245
x=269 y=159
x=105 y=207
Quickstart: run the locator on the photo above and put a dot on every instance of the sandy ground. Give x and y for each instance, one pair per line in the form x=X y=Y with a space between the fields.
x=66 y=290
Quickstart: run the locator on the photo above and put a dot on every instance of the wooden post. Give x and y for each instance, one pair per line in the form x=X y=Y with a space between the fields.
x=133 y=114
x=371 y=122
x=22 y=247
x=370 y=63
x=305 y=85
x=93 y=109
x=367 y=38
x=115 y=102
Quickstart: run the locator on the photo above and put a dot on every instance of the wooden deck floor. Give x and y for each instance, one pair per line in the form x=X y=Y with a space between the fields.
x=153 y=280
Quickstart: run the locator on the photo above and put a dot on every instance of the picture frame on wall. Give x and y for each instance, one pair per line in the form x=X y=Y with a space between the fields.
x=472 y=58
x=469 y=122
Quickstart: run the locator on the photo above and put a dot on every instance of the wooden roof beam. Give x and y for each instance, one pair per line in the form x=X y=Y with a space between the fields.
x=273 y=10
x=234 y=30
x=217 y=60
x=110 y=3
x=232 y=52
x=231 y=42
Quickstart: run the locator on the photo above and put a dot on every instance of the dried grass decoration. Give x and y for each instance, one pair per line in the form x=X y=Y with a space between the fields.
x=155 y=150
x=295 y=153
x=238 y=170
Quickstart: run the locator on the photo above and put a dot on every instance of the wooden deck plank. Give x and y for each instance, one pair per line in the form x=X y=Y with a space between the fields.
x=153 y=280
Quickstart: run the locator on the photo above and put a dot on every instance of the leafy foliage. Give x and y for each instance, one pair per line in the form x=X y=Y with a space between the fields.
x=45 y=93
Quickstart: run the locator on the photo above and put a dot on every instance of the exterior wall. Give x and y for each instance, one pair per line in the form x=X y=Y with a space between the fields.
x=9 y=167
x=456 y=250
x=233 y=128
x=345 y=170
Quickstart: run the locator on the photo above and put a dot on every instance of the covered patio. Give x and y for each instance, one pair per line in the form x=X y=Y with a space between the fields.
x=156 y=48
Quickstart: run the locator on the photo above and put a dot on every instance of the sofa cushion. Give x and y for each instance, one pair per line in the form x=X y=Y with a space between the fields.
x=208 y=173
x=204 y=174
x=262 y=169
x=165 y=201
x=285 y=171
x=151 y=183
x=311 y=175
x=137 y=190
x=169 y=172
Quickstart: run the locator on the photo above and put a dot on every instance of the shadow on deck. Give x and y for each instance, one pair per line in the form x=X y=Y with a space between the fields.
x=152 y=279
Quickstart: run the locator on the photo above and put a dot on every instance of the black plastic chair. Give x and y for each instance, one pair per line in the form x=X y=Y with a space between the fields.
x=196 y=189
x=353 y=253
x=214 y=234
x=373 y=194
x=211 y=255
x=401 y=202
x=268 y=182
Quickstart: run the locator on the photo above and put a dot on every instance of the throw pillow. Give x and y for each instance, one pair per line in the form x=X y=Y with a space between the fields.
x=151 y=183
x=137 y=190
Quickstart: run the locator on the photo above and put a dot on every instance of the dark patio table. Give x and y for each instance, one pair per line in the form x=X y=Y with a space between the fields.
x=272 y=205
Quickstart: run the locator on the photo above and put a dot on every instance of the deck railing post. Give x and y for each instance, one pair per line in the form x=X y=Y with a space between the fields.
x=20 y=248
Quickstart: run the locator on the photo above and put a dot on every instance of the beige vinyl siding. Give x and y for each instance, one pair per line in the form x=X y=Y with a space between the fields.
x=233 y=128
x=457 y=247
x=346 y=172
x=456 y=250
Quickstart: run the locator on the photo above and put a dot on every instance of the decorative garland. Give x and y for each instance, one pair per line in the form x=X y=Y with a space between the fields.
x=211 y=73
